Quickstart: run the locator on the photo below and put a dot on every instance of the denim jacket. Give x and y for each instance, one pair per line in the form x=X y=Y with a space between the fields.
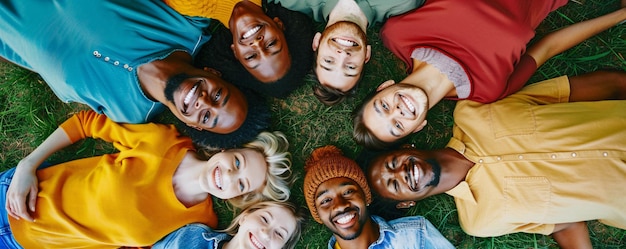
x=407 y=232
x=193 y=236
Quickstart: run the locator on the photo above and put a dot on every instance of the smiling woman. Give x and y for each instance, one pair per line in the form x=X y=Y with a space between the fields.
x=157 y=178
x=269 y=224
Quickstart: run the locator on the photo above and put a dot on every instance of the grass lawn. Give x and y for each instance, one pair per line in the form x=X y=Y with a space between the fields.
x=29 y=112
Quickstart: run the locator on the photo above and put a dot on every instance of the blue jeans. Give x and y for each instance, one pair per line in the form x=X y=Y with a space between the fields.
x=6 y=237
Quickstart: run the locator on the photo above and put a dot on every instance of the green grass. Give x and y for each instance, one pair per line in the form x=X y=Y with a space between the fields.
x=29 y=111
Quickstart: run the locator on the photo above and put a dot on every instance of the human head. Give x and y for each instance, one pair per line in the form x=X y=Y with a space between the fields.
x=257 y=120
x=405 y=174
x=268 y=210
x=274 y=148
x=259 y=42
x=389 y=114
x=326 y=163
x=298 y=32
x=341 y=52
x=204 y=101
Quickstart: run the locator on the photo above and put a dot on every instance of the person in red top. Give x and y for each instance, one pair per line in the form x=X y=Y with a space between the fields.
x=155 y=184
x=473 y=50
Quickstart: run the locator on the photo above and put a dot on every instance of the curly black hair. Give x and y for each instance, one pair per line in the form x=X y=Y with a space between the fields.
x=216 y=53
x=257 y=120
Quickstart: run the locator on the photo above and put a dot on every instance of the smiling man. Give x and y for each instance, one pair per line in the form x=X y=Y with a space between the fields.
x=117 y=57
x=337 y=194
x=444 y=64
x=543 y=160
x=342 y=48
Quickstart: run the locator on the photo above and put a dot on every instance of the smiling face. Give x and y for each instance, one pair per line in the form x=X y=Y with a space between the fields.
x=403 y=176
x=396 y=111
x=342 y=207
x=259 y=42
x=267 y=228
x=341 y=55
x=233 y=173
x=206 y=102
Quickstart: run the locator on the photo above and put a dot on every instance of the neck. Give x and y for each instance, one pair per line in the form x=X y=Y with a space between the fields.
x=348 y=10
x=368 y=235
x=185 y=180
x=454 y=168
x=435 y=84
x=153 y=76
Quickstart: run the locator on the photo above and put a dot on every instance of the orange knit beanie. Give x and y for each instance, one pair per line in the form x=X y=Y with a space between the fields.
x=327 y=163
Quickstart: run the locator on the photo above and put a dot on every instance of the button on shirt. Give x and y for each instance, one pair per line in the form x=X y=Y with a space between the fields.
x=88 y=51
x=540 y=161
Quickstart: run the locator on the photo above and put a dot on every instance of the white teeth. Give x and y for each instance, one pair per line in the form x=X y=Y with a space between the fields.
x=345 y=219
x=416 y=174
x=251 y=32
x=256 y=242
x=345 y=42
x=218 y=178
x=408 y=104
x=190 y=94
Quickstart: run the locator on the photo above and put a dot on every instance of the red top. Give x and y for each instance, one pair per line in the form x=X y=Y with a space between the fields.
x=487 y=38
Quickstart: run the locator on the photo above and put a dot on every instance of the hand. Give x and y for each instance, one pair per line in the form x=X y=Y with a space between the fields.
x=22 y=194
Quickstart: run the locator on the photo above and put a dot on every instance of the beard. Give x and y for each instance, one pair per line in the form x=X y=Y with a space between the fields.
x=436 y=172
x=361 y=222
x=172 y=84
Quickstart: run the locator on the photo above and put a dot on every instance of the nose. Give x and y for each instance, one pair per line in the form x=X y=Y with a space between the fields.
x=203 y=101
x=264 y=234
x=341 y=203
x=256 y=40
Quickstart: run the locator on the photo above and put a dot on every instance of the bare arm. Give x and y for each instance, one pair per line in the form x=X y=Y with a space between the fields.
x=572 y=235
x=599 y=85
x=563 y=39
x=24 y=183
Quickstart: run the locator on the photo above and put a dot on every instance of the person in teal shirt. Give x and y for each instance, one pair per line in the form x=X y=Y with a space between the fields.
x=126 y=59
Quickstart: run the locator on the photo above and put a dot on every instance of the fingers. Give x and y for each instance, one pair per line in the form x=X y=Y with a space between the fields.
x=16 y=207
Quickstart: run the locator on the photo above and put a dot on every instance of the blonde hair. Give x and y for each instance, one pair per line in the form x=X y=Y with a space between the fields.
x=273 y=146
x=298 y=213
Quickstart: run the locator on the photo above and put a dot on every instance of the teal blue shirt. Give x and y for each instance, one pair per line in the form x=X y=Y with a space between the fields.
x=375 y=10
x=88 y=51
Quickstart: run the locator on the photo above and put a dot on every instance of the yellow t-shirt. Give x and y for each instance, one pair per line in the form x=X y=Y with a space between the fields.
x=121 y=199
x=220 y=10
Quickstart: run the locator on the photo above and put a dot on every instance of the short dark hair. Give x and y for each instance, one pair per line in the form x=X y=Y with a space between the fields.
x=257 y=120
x=381 y=206
x=330 y=96
x=363 y=135
x=216 y=53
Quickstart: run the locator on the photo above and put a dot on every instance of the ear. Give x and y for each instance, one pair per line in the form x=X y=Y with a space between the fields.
x=421 y=126
x=368 y=53
x=279 y=23
x=405 y=204
x=232 y=47
x=213 y=71
x=316 y=41
x=385 y=85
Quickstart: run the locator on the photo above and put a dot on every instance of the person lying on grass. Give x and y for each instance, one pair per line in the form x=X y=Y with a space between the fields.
x=543 y=160
x=446 y=62
x=266 y=224
x=338 y=196
x=261 y=46
x=129 y=60
x=155 y=184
